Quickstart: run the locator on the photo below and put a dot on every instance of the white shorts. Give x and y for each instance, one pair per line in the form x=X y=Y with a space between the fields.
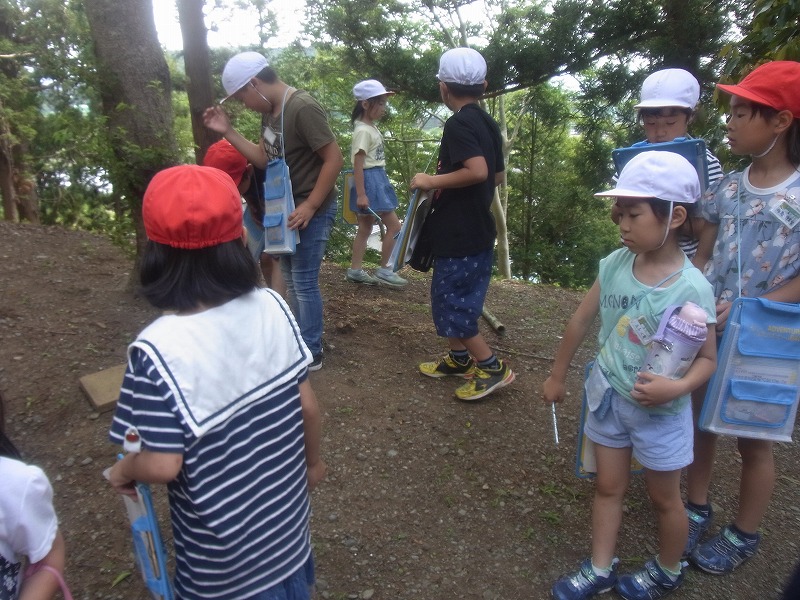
x=660 y=442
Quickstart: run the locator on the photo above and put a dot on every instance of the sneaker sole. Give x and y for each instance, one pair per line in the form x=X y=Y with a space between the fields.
x=711 y=571
x=361 y=282
x=396 y=286
x=467 y=375
x=509 y=378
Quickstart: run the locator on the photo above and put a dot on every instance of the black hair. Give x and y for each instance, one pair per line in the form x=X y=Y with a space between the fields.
x=7 y=447
x=358 y=111
x=459 y=90
x=180 y=279
x=655 y=111
x=661 y=209
x=792 y=134
x=267 y=75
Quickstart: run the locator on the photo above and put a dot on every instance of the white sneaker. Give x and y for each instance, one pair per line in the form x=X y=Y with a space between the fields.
x=360 y=276
x=387 y=277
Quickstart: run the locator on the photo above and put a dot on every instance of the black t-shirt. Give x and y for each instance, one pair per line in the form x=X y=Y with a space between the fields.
x=461 y=222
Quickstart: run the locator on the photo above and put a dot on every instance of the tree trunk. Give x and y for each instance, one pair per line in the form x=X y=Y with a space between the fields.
x=135 y=89
x=500 y=206
x=199 y=84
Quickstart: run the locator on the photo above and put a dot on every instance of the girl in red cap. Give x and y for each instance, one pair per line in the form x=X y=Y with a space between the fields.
x=753 y=217
x=218 y=393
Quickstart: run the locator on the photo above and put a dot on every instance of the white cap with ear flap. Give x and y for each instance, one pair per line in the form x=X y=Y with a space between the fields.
x=240 y=69
x=462 y=65
x=670 y=87
x=657 y=174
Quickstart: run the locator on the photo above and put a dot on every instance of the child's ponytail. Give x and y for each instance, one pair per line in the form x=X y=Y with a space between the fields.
x=358 y=112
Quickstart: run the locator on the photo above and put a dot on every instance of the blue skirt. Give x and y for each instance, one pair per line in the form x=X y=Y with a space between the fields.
x=379 y=191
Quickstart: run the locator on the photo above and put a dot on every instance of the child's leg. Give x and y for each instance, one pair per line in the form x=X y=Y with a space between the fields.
x=476 y=346
x=757 y=483
x=392 y=224
x=360 y=242
x=698 y=474
x=664 y=489
x=613 y=476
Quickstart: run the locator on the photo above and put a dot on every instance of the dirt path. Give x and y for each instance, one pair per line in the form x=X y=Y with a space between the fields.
x=426 y=498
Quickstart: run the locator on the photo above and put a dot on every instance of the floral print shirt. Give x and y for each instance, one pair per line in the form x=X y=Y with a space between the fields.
x=762 y=222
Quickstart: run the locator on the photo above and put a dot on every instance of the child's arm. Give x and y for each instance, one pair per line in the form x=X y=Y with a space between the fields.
x=43 y=585
x=332 y=163
x=358 y=176
x=554 y=387
x=788 y=292
x=312 y=434
x=216 y=119
x=652 y=390
x=705 y=244
x=145 y=466
x=474 y=171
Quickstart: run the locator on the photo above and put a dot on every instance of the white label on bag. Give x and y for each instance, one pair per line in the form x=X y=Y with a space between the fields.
x=595 y=387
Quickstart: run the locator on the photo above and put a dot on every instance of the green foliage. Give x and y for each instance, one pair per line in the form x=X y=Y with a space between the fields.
x=771 y=32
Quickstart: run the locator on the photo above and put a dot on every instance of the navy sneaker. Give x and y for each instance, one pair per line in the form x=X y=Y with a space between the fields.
x=724 y=552
x=648 y=583
x=584 y=583
x=698 y=525
x=316 y=363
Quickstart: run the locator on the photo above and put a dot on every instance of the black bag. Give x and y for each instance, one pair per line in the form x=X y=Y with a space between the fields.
x=422 y=256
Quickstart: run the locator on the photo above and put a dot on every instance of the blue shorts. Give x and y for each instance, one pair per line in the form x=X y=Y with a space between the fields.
x=458 y=291
x=380 y=192
x=660 y=442
x=298 y=586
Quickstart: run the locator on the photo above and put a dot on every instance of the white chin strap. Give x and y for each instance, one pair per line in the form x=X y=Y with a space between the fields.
x=767 y=151
x=669 y=221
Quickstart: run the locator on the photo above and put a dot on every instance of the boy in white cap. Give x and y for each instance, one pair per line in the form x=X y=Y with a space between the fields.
x=314 y=161
x=461 y=226
x=666 y=107
x=634 y=412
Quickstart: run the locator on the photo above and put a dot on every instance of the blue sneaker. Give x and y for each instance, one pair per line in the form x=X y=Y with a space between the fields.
x=724 y=552
x=584 y=583
x=648 y=583
x=698 y=525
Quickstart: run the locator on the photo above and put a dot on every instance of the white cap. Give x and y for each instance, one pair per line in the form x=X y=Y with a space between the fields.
x=670 y=87
x=369 y=88
x=240 y=69
x=657 y=174
x=462 y=65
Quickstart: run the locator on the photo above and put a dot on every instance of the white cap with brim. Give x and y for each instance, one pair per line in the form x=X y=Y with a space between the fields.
x=369 y=88
x=240 y=69
x=670 y=87
x=657 y=174
x=462 y=65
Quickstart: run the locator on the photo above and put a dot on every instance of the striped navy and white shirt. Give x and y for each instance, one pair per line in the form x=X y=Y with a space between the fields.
x=221 y=389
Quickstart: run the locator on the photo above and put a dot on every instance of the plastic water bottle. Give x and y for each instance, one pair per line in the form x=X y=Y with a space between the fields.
x=680 y=335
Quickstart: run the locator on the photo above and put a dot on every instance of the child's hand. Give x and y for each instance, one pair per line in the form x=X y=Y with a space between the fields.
x=301 y=216
x=316 y=473
x=216 y=119
x=121 y=484
x=553 y=390
x=723 y=311
x=653 y=390
x=362 y=202
x=422 y=181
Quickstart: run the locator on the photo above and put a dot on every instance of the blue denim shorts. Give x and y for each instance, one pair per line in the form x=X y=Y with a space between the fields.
x=458 y=290
x=381 y=194
x=660 y=442
x=298 y=586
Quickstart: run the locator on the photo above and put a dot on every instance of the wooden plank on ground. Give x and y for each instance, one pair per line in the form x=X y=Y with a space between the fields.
x=102 y=388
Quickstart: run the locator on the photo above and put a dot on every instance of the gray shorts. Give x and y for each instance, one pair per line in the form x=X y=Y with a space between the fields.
x=660 y=442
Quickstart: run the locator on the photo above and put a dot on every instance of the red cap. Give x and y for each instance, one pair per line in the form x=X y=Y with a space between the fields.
x=222 y=155
x=192 y=207
x=775 y=84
